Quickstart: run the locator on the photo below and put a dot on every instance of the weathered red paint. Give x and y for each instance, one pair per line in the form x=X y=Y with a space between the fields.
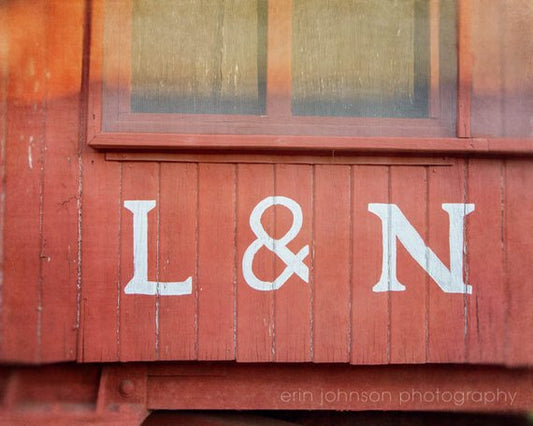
x=125 y=394
x=340 y=314
x=67 y=251
x=216 y=340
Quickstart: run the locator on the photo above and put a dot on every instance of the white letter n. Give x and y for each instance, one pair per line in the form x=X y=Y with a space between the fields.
x=139 y=284
x=396 y=226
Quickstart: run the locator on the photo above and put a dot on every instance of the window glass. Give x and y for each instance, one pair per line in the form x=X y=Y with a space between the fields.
x=364 y=57
x=279 y=67
x=198 y=56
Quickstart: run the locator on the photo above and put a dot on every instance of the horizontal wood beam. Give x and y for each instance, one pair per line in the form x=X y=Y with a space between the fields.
x=281 y=144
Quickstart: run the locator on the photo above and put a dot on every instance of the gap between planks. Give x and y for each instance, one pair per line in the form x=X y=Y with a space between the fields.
x=277 y=159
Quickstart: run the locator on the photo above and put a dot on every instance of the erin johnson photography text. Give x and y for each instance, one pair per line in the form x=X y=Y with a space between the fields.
x=437 y=396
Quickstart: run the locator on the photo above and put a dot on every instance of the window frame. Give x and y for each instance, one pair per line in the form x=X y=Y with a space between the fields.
x=397 y=135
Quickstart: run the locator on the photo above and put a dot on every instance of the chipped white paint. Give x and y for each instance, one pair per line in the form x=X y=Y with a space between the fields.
x=395 y=226
x=139 y=284
x=293 y=261
x=30 y=157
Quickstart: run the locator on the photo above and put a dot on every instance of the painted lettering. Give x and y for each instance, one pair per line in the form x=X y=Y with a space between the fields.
x=395 y=227
x=293 y=261
x=139 y=284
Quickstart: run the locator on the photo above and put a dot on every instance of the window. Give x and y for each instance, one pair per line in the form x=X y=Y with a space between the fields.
x=296 y=74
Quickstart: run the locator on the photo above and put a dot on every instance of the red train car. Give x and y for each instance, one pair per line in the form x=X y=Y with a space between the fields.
x=265 y=205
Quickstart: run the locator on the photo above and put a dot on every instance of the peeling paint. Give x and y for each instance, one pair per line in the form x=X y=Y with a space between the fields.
x=30 y=158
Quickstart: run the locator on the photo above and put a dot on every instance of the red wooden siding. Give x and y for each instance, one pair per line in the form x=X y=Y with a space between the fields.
x=138 y=330
x=370 y=327
x=518 y=245
x=40 y=134
x=293 y=301
x=483 y=325
x=99 y=306
x=67 y=252
x=446 y=316
x=178 y=259
x=409 y=309
x=254 y=309
x=216 y=187
x=201 y=224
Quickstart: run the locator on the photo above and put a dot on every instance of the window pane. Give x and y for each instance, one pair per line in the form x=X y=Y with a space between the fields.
x=367 y=58
x=198 y=56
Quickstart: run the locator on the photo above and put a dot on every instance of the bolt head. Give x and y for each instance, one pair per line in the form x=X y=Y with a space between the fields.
x=126 y=388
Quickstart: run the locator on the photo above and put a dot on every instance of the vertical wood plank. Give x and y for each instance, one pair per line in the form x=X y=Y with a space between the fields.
x=487 y=307
x=23 y=189
x=138 y=327
x=178 y=206
x=60 y=201
x=255 y=309
x=94 y=69
x=4 y=77
x=519 y=246
x=370 y=311
x=408 y=308
x=100 y=255
x=216 y=261
x=446 y=311
x=332 y=264
x=293 y=300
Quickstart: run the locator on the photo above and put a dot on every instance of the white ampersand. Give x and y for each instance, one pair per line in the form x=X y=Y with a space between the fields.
x=293 y=261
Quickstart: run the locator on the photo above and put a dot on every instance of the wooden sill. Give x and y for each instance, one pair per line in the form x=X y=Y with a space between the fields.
x=318 y=144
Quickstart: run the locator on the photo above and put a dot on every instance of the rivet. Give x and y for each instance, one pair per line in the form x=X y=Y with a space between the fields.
x=126 y=387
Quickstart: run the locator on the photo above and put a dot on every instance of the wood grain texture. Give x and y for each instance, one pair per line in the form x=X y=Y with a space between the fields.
x=488 y=305
x=41 y=78
x=61 y=183
x=518 y=245
x=332 y=263
x=336 y=317
x=408 y=309
x=370 y=340
x=217 y=263
x=4 y=74
x=177 y=245
x=101 y=287
x=293 y=300
x=255 y=309
x=288 y=158
x=447 y=321
x=21 y=314
x=138 y=313
x=200 y=226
